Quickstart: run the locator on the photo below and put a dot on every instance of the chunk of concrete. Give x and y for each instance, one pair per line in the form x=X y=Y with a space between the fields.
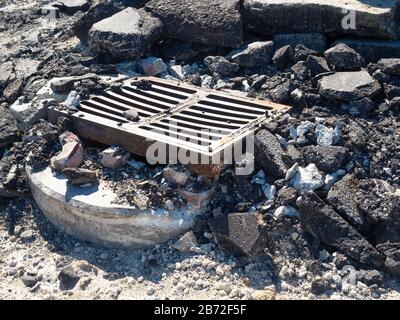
x=343 y=58
x=6 y=71
x=307 y=179
x=354 y=17
x=114 y=157
x=91 y=215
x=317 y=65
x=186 y=243
x=342 y=198
x=71 y=156
x=390 y=66
x=152 y=66
x=209 y=21
x=326 y=158
x=348 y=86
x=125 y=35
x=27 y=114
x=98 y=11
x=238 y=233
x=221 y=66
x=326 y=225
x=283 y=57
x=8 y=128
x=268 y=154
x=254 y=54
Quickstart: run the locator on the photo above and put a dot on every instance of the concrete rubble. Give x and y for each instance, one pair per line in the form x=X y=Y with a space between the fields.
x=322 y=200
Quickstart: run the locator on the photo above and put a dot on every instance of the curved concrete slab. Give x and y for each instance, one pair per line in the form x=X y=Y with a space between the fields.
x=88 y=214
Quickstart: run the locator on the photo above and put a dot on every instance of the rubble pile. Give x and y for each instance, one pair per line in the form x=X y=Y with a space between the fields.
x=324 y=197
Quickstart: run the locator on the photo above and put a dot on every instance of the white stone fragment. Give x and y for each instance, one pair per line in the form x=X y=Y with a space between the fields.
x=308 y=179
x=286 y=211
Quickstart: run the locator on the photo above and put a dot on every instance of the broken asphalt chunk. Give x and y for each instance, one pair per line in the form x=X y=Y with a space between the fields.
x=330 y=228
x=238 y=233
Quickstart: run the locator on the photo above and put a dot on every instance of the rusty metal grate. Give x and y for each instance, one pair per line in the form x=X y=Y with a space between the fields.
x=189 y=118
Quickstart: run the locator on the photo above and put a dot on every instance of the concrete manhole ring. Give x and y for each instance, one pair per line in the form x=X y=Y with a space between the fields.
x=88 y=214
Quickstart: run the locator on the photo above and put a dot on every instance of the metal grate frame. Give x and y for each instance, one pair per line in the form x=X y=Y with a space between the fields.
x=172 y=113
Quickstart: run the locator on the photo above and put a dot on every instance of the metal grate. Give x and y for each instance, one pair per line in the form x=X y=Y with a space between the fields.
x=193 y=119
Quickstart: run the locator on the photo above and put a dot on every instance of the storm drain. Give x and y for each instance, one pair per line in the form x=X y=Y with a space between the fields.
x=174 y=119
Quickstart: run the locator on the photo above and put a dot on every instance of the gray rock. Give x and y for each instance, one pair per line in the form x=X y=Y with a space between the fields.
x=72 y=6
x=238 y=233
x=342 y=198
x=331 y=229
x=69 y=277
x=28 y=114
x=13 y=89
x=317 y=65
x=390 y=66
x=307 y=179
x=186 y=243
x=8 y=128
x=313 y=41
x=326 y=158
x=357 y=137
x=281 y=94
x=301 y=53
x=373 y=50
x=283 y=57
x=29 y=281
x=99 y=11
x=152 y=66
x=221 y=66
x=287 y=196
x=6 y=71
x=300 y=70
x=379 y=202
x=343 y=58
x=126 y=35
x=27 y=236
x=252 y=55
x=268 y=17
x=210 y=22
x=349 y=86
x=268 y=154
